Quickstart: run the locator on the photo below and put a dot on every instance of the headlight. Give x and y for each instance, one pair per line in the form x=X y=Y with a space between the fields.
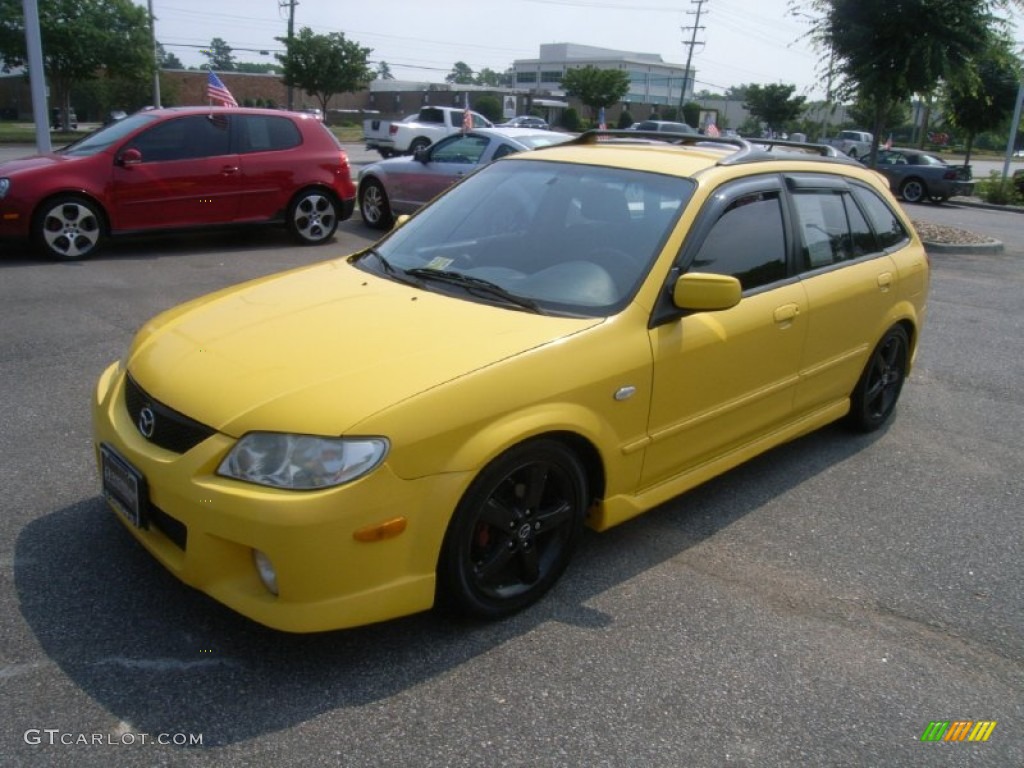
x=302 y=462
x=5 y=184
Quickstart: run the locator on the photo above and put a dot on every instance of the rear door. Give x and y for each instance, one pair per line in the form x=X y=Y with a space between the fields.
x=188 y=176
x=275 y=162
x=850 y=280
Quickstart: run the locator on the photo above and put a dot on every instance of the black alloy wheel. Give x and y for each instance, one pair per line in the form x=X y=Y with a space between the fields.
x=874 y=398
x=513 y=533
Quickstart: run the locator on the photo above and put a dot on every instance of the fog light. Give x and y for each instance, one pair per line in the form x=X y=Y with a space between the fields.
x=265 y=568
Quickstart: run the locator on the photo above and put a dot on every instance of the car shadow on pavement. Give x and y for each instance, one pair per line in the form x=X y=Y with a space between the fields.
x=166 y=659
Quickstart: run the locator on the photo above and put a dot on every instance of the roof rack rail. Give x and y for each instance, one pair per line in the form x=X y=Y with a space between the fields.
x=747 y=150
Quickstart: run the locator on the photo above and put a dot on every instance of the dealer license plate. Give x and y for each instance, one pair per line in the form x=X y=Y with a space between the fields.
x=123 y=486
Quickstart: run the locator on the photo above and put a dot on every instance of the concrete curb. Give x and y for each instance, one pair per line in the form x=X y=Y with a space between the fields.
x=995 y=246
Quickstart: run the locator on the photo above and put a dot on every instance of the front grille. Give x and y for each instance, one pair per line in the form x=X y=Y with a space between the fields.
x=160 y=424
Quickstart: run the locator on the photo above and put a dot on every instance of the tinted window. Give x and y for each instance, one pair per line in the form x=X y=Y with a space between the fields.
x=264 y=133
x=884 y=222
x=460 y=149
x=748 y=242
x=832 y=228
x=184 y=138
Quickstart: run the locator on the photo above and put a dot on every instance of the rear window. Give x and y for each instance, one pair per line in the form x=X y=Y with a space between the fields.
x=266 y=133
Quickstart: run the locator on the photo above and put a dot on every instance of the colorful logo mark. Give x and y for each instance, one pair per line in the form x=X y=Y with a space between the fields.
x=958 y=730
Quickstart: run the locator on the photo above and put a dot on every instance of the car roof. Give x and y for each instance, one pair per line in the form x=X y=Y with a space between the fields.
x=202 y=110
x=691 y=155
x=518 y=134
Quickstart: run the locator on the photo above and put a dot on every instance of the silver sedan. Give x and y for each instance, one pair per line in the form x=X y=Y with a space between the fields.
x=400 y=185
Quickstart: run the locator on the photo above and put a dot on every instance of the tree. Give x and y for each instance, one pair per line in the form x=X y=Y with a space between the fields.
x=257 y=68
x=774 y=104
x=488 y=76
x=323 y=65
x=80 y=38
x=489 y=106
x=863 y=111
x=461 y=74
x=595 y=87
x=218 y=56
x=384 y=71
x=980 y=107
x=167 y=60
x=887 y=51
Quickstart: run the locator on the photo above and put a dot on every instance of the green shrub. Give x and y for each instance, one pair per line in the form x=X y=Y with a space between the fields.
x=625 y=119
x=571 y=120
x=998 y=190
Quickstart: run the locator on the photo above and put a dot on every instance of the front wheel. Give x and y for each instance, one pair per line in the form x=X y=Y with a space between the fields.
x=313 y=217
x=68 y=228
x=374 y=206
x=874 y=398
x=418 y=144
x=513 y=532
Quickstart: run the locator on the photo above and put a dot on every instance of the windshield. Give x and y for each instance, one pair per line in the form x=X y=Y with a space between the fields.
x=99 y=140
x=567 y=238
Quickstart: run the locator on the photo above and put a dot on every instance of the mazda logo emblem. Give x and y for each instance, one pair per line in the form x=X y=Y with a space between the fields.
x=147 y=421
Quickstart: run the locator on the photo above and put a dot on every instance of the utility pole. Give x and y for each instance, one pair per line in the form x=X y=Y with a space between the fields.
x=156 y=72
x=290 y=4
x=691 y=45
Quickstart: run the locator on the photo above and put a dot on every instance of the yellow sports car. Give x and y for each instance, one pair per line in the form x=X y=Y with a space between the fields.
x=569 y=336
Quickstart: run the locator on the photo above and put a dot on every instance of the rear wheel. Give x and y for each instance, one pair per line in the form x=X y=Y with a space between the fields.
x=874 y=398
x=512 y=534
x=313 y=217
x=374 y=206
x=418 y=144
x=913 y=190
x=68 y=228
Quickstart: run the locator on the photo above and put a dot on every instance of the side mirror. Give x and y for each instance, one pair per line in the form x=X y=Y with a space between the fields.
x=700 y=292
x=421 y=155
x=129 y=158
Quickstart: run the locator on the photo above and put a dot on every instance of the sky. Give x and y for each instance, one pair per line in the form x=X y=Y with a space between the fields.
x=740 y=41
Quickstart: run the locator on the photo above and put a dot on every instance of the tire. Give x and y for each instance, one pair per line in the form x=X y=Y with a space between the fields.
x=938 y=199
x=874 y=398
x=513 y=532
x=69 y=228
x=374 y=206
x=913 y=190
x=853 y=153
x=418 y=144
x=313 y=217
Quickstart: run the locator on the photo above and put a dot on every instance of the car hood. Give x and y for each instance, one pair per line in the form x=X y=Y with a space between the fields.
x=320 y=349
x=22 y=164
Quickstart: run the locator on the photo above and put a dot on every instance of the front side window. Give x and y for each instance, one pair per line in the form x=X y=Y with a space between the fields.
x=460 y=149
x=184 y=138
x=747 y=241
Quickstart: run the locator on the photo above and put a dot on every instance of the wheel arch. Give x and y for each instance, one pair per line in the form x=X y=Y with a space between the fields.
x=37 y=211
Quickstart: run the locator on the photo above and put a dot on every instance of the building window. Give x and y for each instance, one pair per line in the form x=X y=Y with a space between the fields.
x=526 y=77
x=554 y=76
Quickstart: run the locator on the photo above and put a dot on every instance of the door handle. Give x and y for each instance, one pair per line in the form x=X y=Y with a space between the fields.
x=785 y=314
x=229 y=170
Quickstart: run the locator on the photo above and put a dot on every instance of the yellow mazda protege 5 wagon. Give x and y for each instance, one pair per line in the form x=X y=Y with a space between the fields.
x=568 y=337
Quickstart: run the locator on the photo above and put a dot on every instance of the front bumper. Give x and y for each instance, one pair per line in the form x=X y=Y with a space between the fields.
x=204 y=529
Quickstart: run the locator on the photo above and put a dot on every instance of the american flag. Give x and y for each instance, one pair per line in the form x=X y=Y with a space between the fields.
x=467 y=116
x=217 y=92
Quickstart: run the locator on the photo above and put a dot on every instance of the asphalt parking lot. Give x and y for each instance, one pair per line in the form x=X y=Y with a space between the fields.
x=819 y=606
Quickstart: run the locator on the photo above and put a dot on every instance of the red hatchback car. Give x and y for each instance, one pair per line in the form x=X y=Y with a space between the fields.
x=175 y=169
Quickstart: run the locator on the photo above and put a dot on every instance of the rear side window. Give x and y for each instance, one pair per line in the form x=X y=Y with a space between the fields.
x=266 y=133
x=832 y=228
x=884 y=222
x=748 y=242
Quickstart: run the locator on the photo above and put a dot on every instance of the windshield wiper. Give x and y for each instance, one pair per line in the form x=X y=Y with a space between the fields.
x=389 y=269
x=471 y=283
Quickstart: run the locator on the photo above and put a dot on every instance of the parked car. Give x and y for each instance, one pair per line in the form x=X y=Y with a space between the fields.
x=174 y=169
x=1018 y=180
x=663 y=125
x=402 y=184
x=916 y=175
x=568 y=337
x=525 y=121
x=856 y=144
x=57 y=119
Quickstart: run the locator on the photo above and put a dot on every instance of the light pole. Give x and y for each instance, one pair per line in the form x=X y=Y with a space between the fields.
x=156 y=57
